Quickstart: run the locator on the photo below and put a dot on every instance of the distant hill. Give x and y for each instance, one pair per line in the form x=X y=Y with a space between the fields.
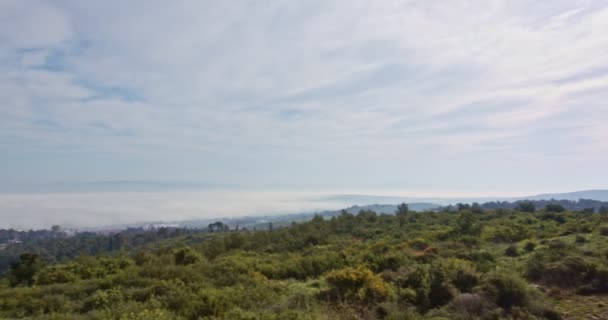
x=365 y=200
x=391 y=208
x=574 y=205
x=600 y=195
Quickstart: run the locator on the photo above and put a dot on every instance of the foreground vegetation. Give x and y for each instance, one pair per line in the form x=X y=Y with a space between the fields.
x=462 y=264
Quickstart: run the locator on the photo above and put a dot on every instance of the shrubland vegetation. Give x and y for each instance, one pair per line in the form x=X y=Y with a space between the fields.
x=56 y=245
x=470 y=263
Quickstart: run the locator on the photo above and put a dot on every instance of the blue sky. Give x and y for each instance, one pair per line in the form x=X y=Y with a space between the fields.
x=501 y=96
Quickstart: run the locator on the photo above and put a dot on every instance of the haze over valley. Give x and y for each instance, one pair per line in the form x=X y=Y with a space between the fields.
x=95 y=208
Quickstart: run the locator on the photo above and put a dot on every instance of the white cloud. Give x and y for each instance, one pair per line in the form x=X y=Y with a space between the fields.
x=307 y=81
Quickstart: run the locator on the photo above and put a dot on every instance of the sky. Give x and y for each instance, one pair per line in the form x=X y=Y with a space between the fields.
x=487 y=96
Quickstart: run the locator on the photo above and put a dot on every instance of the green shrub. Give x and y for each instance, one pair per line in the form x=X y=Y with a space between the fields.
x=431 y=285
x=511 y=251
x=185 y=256
x=24 y=270
x=526 y=206
x=467 y=306
x=55 y=274
x=506 y=291
x=103 y=299
x=465 y=280
x=556 y=244
x=568 y=272
x=530 y=246
x=597 y=285
x=358 y=284
x=482 y=260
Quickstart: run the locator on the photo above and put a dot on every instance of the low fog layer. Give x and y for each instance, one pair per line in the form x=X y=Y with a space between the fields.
x=97 y=209
x=25 y=211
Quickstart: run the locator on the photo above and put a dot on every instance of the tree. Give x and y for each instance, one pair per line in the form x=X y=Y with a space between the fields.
x=554 y=207
x=526 y=206
x=24 y=270
x=462 y=206
x=401 y=213
x=403 y=208
x=476 y=208
x=217 y=226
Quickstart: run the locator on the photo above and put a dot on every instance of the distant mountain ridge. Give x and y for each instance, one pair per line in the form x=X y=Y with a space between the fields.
x=600 y=195
x=391 y=208
x=363 y=199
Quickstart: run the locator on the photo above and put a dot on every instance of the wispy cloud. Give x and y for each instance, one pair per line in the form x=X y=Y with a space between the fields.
x=307 y=93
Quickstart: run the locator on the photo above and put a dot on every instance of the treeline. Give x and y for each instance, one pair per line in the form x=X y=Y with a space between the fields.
x=56 y=245
x=12 y=235
x=582 y=205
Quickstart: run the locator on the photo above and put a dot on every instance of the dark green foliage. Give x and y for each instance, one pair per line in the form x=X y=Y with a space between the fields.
x=553 y=207
x=467 y=223
x=463 y=206
x=530 y=246
x=526 y=206
x=466 y=280
x=441 y=291
x=507 y=291
x=185 y=256
x=597 y=285
x=217 y=227
x=476 y=208
x=552 y=268
x=581 y=239
x=401 y=213
x=24 y=270
x=402 y=209
x=511 y=251
x=57 y=274
x=556 y=244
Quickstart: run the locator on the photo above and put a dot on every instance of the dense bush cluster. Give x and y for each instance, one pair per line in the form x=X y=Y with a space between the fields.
x=469 y=264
